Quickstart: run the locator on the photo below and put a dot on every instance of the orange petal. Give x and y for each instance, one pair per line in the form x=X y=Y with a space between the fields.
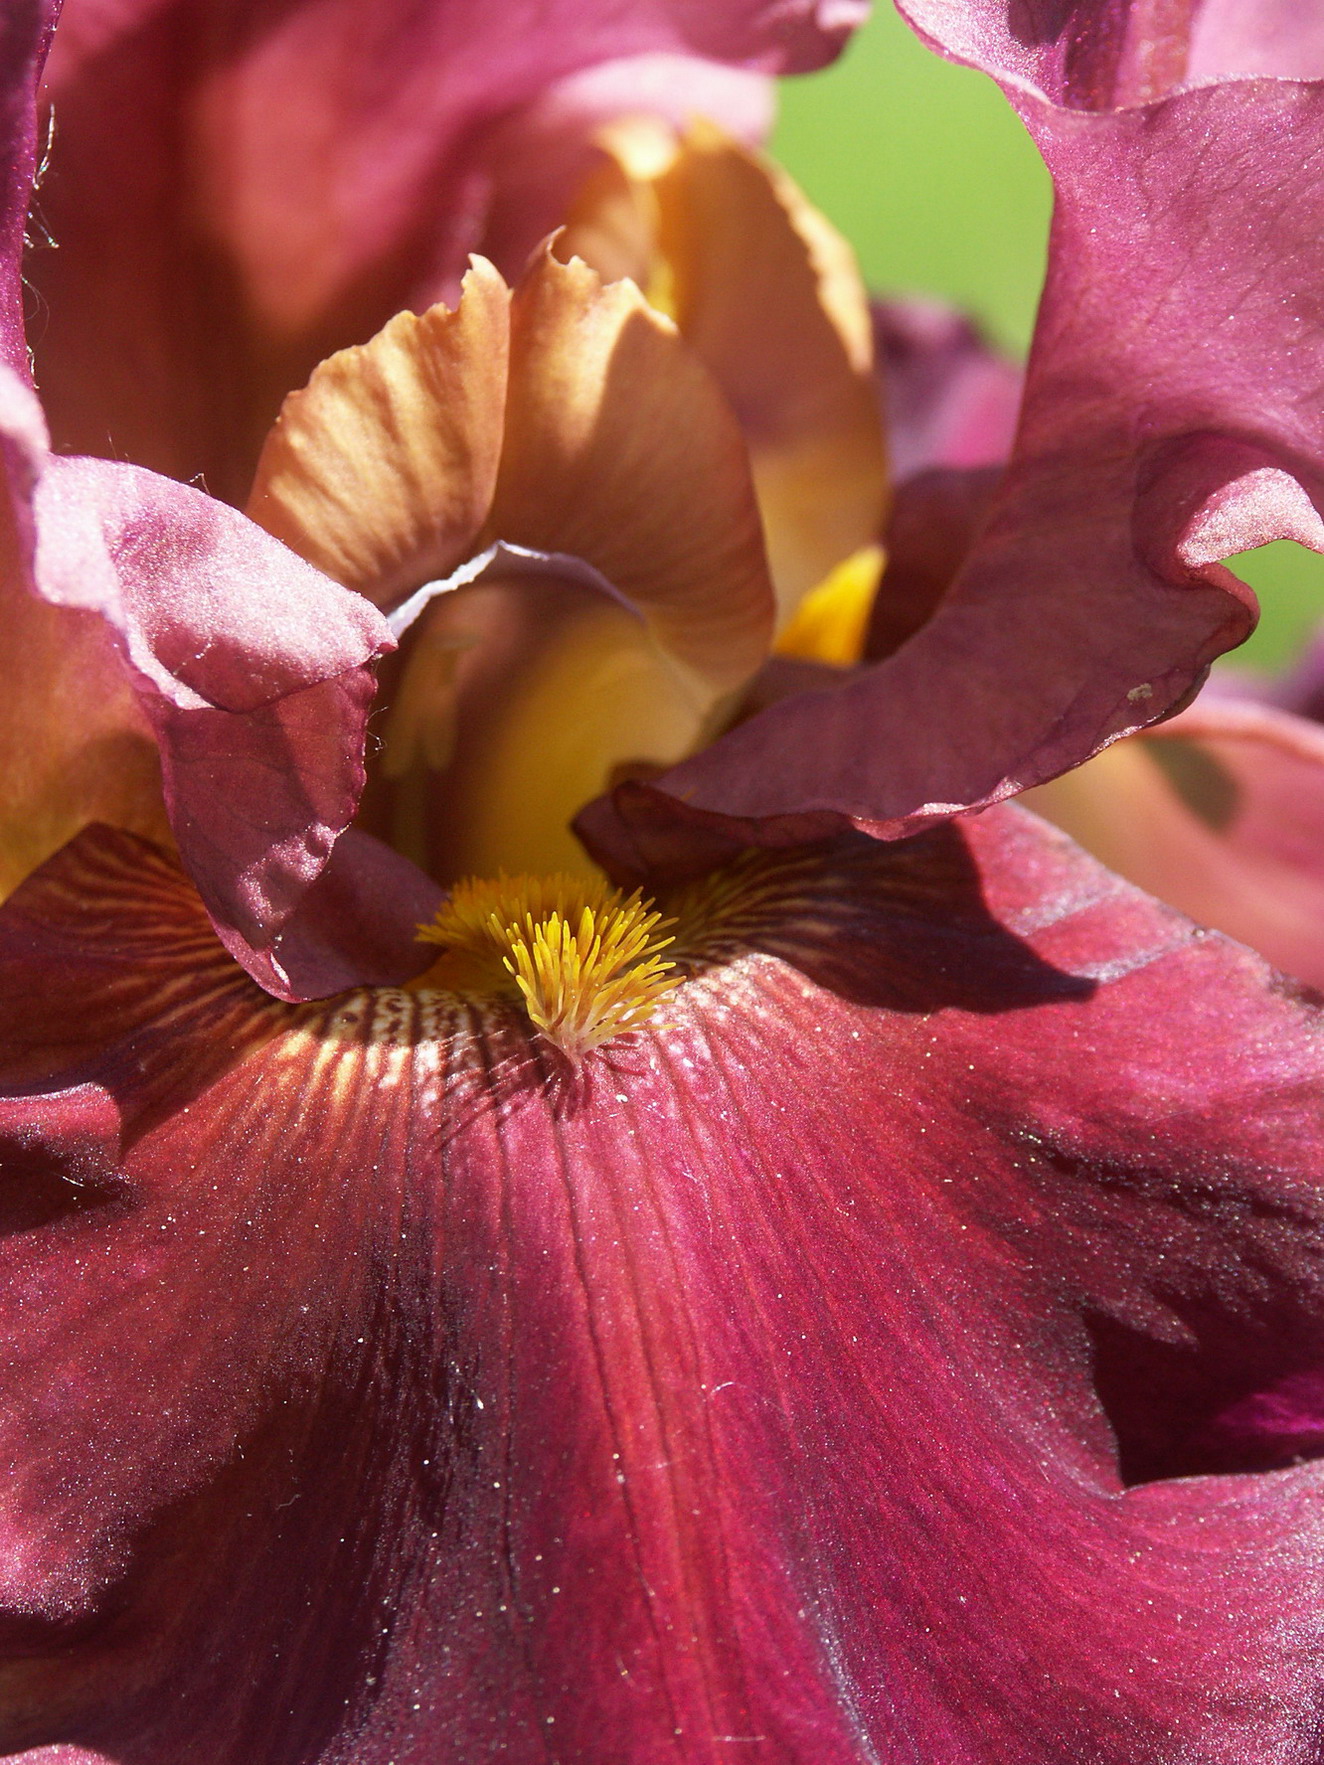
x=380 y=471
x=614 y=221
x=621 y=451
x=769 y=295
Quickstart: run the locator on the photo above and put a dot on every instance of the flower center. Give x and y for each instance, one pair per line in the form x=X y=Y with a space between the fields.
x=583 y=958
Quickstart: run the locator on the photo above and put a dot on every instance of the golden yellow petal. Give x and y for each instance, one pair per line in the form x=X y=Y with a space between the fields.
x=621 y=451
x=832 y=621
x=598 y=695
x=768 y=293
x=381 y=470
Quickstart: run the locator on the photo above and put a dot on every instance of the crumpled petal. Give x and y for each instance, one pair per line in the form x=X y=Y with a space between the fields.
x=76 y=744
x=1220 y=812
x=1125 y=52
x=1173 y=416
x=251 y=670
x=374 y=1395
x=329 y=166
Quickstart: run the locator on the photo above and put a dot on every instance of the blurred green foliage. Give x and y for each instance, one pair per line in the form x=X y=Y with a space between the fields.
x=926 y=169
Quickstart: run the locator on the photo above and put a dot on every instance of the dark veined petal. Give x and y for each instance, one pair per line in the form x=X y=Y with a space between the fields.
x=241 y=189
x=1172 y=418
x=905 y=1353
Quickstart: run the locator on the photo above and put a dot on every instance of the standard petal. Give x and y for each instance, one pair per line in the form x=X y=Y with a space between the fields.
x=838 y=1371
x=251 y=670
x=620 y=450
x=1100 y=57
x=381 y=470
x=1220 y=812
x=769 y=296
x=1172 y=418
x=242 y=190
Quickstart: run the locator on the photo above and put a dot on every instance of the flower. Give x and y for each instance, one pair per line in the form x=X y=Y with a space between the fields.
x=823 y=1364
x=1217 y=811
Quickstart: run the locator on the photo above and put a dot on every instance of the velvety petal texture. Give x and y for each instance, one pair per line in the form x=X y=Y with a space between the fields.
x=328 y=168
x=378 y=1391
x=1171 y=418
x=381 y=470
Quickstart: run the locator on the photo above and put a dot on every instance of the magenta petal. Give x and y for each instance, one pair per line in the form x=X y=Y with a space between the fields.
x=1101 y=54
x=902 y=1355
x=252 y=668
x=357 y=925
x=934 y=521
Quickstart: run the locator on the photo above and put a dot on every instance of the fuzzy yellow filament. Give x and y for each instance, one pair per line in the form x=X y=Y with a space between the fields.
x=585 y=959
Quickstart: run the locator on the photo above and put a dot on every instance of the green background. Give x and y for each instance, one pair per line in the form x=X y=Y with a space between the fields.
x=927 y=170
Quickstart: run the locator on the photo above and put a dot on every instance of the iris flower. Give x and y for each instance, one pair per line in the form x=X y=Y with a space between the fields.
x=834 y=1283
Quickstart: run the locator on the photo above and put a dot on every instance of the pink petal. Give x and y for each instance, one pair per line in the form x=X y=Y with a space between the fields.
x=242 y=189
x=951 y=399
x=1173 y=416
x=839 y=1372
x=251 y=667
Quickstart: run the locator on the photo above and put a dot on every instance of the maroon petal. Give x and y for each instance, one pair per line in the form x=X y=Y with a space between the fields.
x=25 y=34
x=1102 y=54
x=934 y=521
x=252 y=668
x=889 y=1359
x=242 y=188
x=1173 y=416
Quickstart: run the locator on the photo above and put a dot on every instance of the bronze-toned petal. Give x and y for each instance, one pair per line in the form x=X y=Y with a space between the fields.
x=769 y=295
x=380 y=471
x=620 y=450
